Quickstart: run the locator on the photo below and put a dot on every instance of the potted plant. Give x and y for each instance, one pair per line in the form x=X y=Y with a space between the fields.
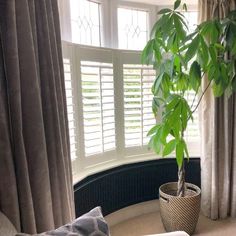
x=182 y=61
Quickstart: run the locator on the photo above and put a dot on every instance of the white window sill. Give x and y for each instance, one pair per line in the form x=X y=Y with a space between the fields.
x=90 y=170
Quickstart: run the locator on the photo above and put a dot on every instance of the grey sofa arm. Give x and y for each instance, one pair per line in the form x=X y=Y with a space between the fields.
x=6 y=227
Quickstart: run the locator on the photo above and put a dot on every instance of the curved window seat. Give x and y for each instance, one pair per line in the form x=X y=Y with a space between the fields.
x=129 y=184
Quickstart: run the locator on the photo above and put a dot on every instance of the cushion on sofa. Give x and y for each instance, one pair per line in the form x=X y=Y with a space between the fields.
x=89 y=224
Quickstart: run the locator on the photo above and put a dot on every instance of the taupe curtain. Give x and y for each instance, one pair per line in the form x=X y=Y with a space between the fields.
x=36 y=191
x=218 y=137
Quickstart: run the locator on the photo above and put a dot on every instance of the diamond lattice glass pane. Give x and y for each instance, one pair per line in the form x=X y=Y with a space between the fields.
x=85 y=22
x=132 y=28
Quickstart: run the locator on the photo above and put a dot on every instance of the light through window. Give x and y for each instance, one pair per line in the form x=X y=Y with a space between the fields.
x=132 y=28
x=109 y=98
x=192 y=133
x=85 y=22
x=70 y=107
x=98 y=107
x=191 y=17
x=138 y=114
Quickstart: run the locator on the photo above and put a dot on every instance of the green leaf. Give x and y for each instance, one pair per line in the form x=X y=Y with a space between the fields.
x=214 y=32
x=180 y=153
x=230 y=35
x=157 y=144
x=157 y=84
x=213 y=54
x=185 y=102
x=150 y=143
x=155 y=105
x=211 y=30
x=182 y=82
x=224 y=75
x=157 y=51
x=147 y=52
x=193 y=46
x=205 y=50
x=211 y=71
x=217 y=90
x=174 y=116
x=184 y=116
x=153 y=130
x=189 y=37
x=171 y=41
x=164 y=11
x=177 y=4
x=165 y=85
x=169 y=147
x=185 y=7
x=168 y=28
x=176 y=129
x=234 y=48
x=195 y=75
x=186 y=150
x=173 y=103
x=179 y=27
x=176 y=66
x=183 y=20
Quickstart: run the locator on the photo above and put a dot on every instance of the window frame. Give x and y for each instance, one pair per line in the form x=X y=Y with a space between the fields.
x=84 y=166
x=122 y=154
x=109 y=33
x=151 y=9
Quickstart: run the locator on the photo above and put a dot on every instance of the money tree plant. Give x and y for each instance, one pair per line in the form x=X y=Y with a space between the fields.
x=182 y=61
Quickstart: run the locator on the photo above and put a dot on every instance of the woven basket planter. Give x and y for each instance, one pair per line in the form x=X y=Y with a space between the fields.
x=179 y=213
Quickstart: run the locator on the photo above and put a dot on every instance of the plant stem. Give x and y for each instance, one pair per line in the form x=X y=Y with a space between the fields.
x=181 y=176
x=181 y=181
x=193 y=100
x=200 y=99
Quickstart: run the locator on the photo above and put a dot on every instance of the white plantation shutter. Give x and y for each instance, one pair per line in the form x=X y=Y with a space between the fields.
x=138 y=115
x=192 y=133
x=98 y=107
x=70 y=107
x=109 y=102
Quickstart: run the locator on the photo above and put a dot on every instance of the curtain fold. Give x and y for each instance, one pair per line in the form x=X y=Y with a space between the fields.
x=218 y=136
x=34 y=136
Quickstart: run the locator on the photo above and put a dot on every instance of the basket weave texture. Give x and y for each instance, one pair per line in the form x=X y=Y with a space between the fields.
x=179 y=213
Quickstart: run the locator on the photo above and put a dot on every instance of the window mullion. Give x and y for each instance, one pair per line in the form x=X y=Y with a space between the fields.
x=142 y=115
x=106 y=23
x=101 y=108
x=114 y=24
x=79 y=107
x=65 y=20
x=119 y=103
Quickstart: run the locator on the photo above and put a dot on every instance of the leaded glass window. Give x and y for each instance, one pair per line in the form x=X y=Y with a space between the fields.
x=86 y=22
x=132 y=28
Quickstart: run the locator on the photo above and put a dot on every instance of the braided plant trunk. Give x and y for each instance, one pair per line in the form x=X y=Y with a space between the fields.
x=181 y=181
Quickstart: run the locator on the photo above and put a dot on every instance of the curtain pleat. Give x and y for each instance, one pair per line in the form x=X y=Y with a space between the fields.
x=218 y=136
x=35 y=109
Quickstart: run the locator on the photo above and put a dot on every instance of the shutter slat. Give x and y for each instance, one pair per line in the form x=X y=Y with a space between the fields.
x=70 y=108
x=138 y=81
x=98 y=106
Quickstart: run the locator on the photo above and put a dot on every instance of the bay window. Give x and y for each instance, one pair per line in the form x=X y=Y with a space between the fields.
x=108 y=90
